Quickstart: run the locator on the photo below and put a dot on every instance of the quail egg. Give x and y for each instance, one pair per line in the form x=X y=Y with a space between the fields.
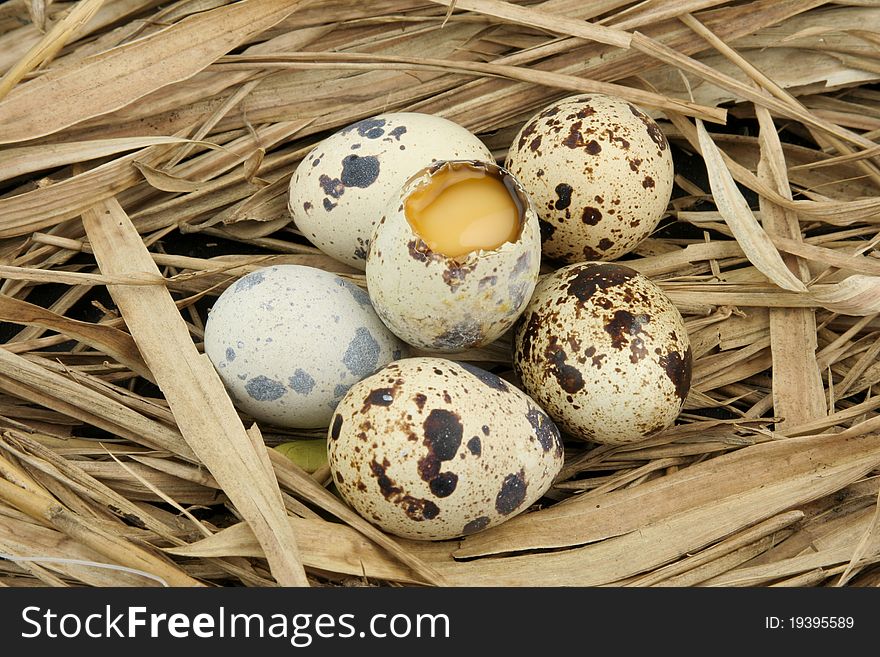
x=288 y=342
x=604 y=352
x=455 y=256
x=428 y=448
x=340 y=190
x=600 y=173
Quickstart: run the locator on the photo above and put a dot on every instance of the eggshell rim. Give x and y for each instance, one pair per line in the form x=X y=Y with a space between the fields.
x=528 y=209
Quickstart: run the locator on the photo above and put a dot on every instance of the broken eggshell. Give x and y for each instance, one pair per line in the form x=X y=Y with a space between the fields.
x=604 y=352
x=428 y=448
x=288 y=341
x=450 y=304
x=340 y=190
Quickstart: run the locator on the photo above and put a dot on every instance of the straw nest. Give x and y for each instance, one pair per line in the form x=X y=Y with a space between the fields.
x=147 y=148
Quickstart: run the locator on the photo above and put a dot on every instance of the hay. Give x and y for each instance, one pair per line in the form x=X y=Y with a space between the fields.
x=144 y=167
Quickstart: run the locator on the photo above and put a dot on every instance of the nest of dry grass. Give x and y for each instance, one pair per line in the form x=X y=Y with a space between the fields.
x=146 y=151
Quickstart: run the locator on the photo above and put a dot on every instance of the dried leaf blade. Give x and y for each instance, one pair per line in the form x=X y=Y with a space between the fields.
x=755 y=243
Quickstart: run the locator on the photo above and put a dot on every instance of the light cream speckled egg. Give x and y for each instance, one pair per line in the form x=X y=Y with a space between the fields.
x=600 y=173
x=445 y=304
x=432 y=449
x=289 y=341
x=340 y=190
x=604 y=352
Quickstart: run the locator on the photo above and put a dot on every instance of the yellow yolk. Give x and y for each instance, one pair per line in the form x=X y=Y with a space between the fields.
x=463 y=208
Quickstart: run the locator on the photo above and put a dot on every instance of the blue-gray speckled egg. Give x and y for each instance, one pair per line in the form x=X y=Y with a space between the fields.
x=289 y=341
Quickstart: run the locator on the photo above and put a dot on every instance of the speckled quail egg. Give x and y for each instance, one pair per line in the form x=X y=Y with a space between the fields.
x=604 y=352
x=455 y=256
x=340 y=190
x=600 y=173
x=427 y=448
x=288 y=342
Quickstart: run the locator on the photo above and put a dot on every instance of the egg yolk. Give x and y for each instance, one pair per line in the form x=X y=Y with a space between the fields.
x=464 y=208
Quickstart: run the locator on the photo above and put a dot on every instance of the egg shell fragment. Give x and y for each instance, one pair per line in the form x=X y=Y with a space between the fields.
x=428 y=448
x=443 y=304
x=604 y=352
x=600 y=173
x=341 y=188
x=289 y=341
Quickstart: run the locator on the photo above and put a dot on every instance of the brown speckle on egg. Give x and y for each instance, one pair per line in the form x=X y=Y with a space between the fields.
x=590 y=277
x=458 y=337
x=589 y=253
x=335 y=427
x=475 y=525
x=379 y=397
x=623 y=327
x=418 y=250
x=415 y=509
x=443 y=433
x=569 y=377
x=678 y=369
x=563 y=192
x=454 y=274
x=488 y=378
x=545 y=430
x=512 y=493
x=443 y=485
x=487 y=281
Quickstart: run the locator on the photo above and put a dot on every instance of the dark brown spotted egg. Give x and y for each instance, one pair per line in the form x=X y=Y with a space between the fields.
x=600 y=173
x=432 y=449
x=604 y=352
x=449 y=304
x=340 y=190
